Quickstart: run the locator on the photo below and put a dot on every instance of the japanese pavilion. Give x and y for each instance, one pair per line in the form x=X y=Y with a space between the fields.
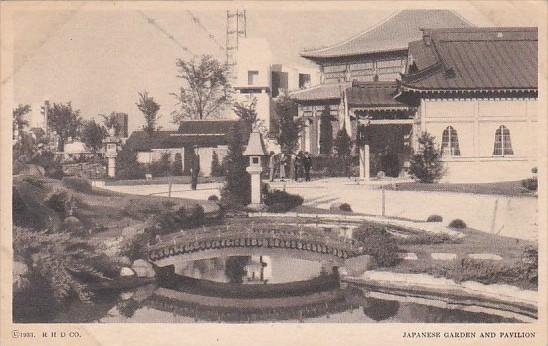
x=408 y=75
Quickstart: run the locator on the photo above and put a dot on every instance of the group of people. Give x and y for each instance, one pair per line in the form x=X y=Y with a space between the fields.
x=290 y=166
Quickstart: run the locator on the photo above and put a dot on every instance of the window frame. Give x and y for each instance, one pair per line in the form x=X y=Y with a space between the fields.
x=452 y=142
x=503 y=136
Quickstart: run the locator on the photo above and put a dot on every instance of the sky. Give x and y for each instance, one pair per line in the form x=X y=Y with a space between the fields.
x=100 y=55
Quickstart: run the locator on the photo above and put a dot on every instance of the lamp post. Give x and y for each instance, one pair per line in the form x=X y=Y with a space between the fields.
x=111 y=143
x=255 y=150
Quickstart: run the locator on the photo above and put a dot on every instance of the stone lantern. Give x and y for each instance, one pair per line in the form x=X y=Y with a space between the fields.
x=111 y=144
x=255 y=150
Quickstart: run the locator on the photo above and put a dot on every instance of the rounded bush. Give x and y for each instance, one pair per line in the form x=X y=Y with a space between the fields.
x=378 y=243
x=281 y=201
x=345 y=207
x=530 y=184
x=434 y=218
x=534 y=170
x=457 y=223
x=213 y=198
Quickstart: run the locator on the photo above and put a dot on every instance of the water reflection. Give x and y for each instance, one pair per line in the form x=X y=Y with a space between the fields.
x=252 y=269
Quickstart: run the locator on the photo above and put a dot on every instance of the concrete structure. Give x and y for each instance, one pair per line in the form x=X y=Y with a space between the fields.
x=258 y=78
x=255 y=150
x=111 y=151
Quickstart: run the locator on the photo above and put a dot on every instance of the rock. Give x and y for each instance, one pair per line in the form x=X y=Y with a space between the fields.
x=20 y=269
x=144 y=292
x=73 y=223
x=408 y=256
x=126 y=295
x=143 y=269
x=485 y=256
x=443 y=256
x=356 y=266
x=132 y=231
x=126 y=272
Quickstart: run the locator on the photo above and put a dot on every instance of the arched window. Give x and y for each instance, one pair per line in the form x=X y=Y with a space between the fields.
x=503 y=144
x=450 y=142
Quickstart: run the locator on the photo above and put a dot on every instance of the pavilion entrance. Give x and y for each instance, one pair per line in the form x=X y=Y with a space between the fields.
x=389 y=148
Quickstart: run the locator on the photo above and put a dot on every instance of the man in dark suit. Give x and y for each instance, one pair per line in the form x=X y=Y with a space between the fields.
x=195 y=168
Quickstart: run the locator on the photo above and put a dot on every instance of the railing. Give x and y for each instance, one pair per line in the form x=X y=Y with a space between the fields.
x=313 y=241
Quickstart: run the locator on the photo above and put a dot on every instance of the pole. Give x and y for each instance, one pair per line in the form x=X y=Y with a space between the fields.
x=383 y=199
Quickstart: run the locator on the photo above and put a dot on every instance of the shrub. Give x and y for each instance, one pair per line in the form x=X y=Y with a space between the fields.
x=57 y=201
x=530 y=184
x=378 y=243
x=434 y=218
x=534 y=170
x=426 y=165
x=457 y=223
x=281 y=201
x=345 y=207
x=213 y=198
x=177 y=165
x=136 y=248
x=216 y=167
x=236 y=191
x=78 y=184
x=127 y=166
x=168 y=221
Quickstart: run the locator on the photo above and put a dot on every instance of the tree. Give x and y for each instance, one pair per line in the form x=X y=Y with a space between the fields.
x=426 y=165
x=248 y=113
x=127 y=166
x=150 y=109
x=326 y=131
x=19 y=121
x=289 y=126
x=111 y=122
x=237 y=190
x=216 y=167
x=205 y=91
x=66 y=123
x=92 y=135
x=343 y=149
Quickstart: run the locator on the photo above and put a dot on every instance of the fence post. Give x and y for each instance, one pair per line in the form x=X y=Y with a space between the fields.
x=383 y=197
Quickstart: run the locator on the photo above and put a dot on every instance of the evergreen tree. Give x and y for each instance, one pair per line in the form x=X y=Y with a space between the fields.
x=216 y=167
x=150 y=109
x=343 y=148
x=93 y=135
x=237 y=190
x=177 y=165
x=289 y=126
x=426 y=165
x=127 y=166
x=326 y=132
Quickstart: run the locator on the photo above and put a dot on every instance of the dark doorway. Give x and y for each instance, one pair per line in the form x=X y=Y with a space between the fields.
x=389 y=148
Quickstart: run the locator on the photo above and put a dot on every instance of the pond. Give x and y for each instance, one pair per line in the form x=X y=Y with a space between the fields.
x=260 y=288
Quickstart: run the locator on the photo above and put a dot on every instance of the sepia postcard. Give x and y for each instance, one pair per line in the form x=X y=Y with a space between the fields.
x=273 y=173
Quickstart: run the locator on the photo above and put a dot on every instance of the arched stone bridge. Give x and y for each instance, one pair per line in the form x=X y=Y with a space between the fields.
x=196 y=241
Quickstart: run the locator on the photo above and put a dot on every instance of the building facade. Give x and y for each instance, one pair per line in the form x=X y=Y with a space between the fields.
x=476 y=91
x=376 y=55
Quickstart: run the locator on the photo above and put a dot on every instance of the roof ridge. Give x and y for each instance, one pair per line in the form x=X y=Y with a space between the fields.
x=355 y=36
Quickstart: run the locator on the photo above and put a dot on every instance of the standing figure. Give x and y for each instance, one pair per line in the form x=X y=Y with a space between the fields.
x=307 y=164
x=299 y=166
x=291 y=163
x=272 y=165
x=283 y=163
x=195 y=168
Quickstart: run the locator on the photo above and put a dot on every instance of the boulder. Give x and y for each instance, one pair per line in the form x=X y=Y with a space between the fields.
x=356 y=266
x=335 y=206
x=132 y=231
x=72 y=223
x=143 y=269
x=126 y=272
x=20 y=269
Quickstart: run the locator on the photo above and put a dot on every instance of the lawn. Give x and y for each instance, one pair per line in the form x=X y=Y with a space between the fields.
x=506 y=188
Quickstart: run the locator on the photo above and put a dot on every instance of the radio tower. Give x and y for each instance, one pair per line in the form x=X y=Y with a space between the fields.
x=236 y=27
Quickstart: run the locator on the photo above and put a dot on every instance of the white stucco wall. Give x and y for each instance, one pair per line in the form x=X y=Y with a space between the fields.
x=476 y=121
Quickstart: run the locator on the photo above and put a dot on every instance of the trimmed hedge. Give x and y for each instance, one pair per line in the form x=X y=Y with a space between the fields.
x=78 y=184
x=281 y=201
x=213 y=198
x=530 y=184
x=345 y=207
x=379 y=244
x=457 y=223
x=434 y=218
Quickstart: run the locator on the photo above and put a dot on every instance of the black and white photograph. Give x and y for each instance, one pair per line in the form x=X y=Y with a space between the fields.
x=283 y=164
